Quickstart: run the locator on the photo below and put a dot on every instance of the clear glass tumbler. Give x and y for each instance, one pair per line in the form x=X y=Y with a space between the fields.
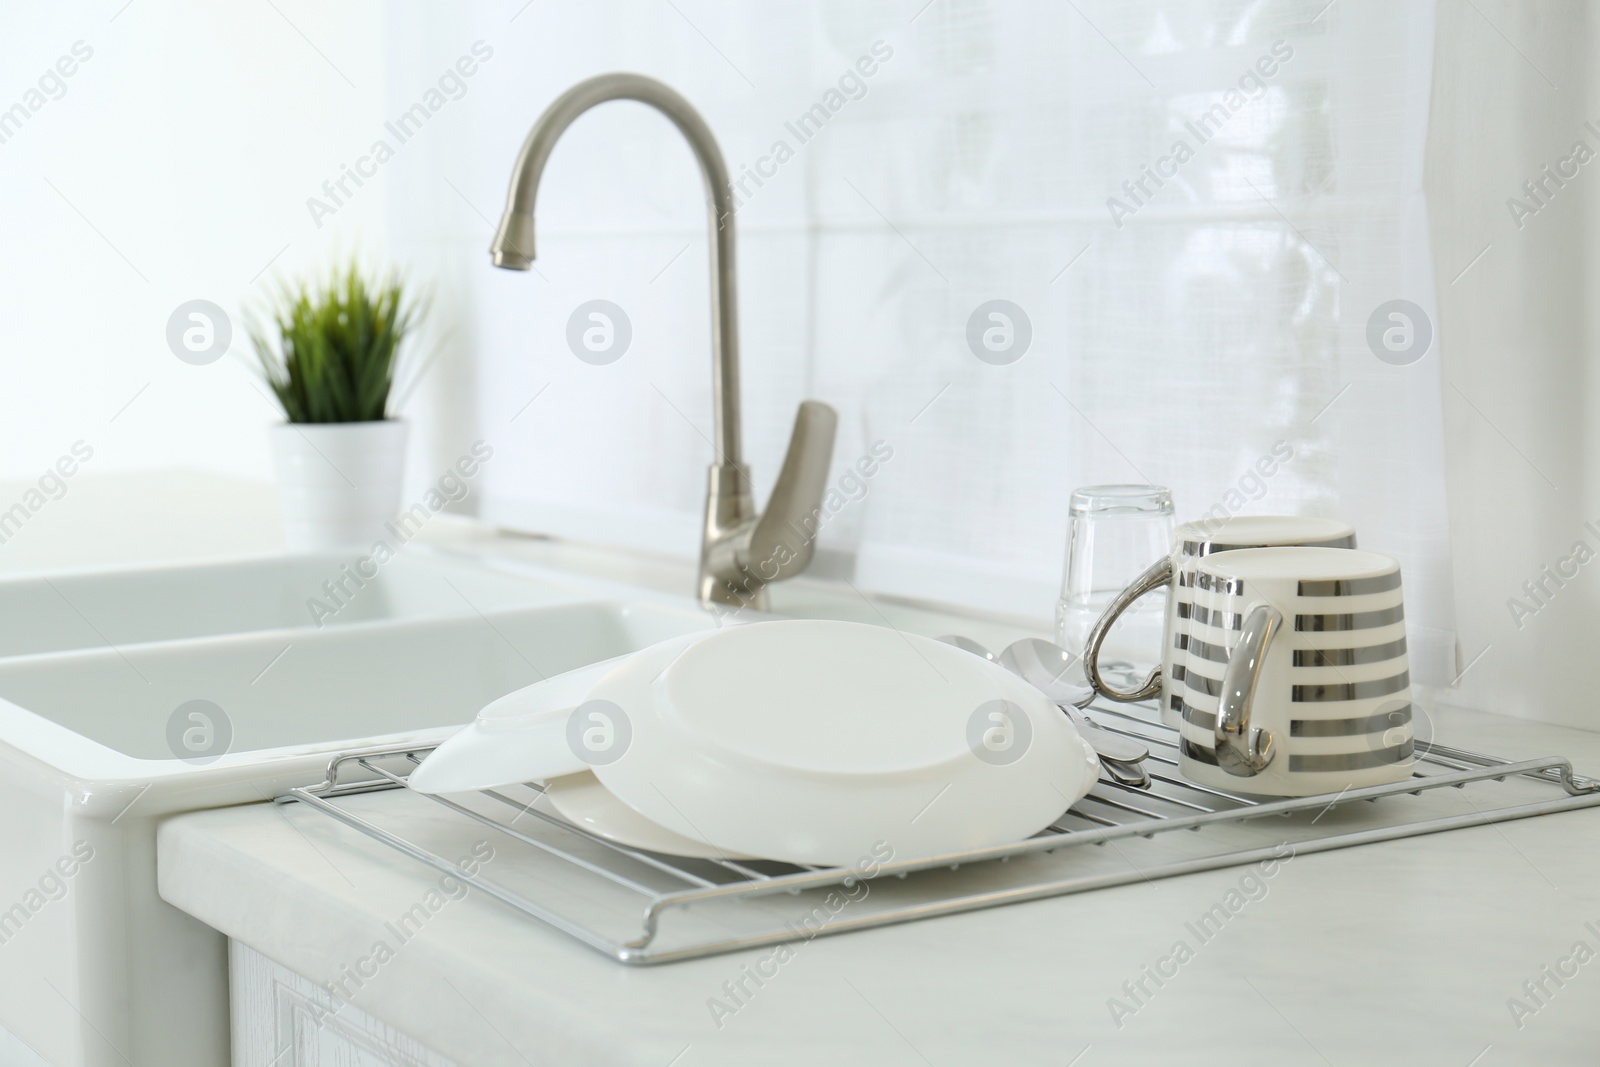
x=1114 y=533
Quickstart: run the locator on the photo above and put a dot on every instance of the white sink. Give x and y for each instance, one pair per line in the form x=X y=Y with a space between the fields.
x=131 y=605
x=282 y=692
x=96 y=666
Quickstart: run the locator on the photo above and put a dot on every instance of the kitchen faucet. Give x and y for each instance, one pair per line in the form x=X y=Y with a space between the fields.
x=741 y=551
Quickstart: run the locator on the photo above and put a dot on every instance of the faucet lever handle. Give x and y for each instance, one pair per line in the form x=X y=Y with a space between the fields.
x=785 y=535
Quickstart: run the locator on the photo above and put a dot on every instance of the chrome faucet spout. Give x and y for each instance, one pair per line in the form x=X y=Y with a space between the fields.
x=726 y=572
x=513 y=246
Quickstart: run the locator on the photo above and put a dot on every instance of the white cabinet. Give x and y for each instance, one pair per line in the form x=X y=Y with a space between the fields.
x=281 y=1019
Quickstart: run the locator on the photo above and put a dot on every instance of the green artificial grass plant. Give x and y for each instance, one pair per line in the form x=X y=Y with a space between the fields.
x=334 y=357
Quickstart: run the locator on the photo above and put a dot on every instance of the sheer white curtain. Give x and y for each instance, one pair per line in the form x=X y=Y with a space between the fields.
x=1191 y=312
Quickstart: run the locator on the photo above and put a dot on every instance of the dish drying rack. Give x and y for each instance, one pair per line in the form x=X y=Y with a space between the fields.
x=645 y=908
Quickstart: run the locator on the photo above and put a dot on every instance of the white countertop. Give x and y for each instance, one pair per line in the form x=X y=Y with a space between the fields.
x=1406 y=952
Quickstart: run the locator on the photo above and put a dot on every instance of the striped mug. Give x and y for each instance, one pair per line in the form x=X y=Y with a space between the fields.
x=1296 y=676
x=1192 y=542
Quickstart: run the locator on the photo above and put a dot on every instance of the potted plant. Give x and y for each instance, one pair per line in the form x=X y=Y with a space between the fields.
x=339 y=454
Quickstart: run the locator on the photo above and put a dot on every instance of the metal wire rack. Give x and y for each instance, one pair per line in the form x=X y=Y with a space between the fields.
x=643 y=908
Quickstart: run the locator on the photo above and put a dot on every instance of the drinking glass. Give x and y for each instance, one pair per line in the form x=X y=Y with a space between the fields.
x=1114 y=533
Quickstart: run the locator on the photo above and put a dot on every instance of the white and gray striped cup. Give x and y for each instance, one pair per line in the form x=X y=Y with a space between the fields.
x=1296 y=677
x=1192 y=542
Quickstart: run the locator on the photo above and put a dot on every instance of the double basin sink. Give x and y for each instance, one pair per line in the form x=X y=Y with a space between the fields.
x=130 y=695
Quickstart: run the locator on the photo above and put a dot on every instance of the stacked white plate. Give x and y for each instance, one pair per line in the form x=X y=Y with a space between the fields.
x=807 y=741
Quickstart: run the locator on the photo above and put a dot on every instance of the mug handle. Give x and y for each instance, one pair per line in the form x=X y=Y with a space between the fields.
x=1244 y=750
x=1155 y=576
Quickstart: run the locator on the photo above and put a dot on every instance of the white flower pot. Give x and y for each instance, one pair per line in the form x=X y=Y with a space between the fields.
x=338 y=482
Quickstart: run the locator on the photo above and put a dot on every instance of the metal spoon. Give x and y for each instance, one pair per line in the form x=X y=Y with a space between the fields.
x=1129 y=774
x=1045 y=666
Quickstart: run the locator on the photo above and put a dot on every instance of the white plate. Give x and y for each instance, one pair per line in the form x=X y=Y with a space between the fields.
x=583 y=801
x=808 y=741
x=520 y=737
